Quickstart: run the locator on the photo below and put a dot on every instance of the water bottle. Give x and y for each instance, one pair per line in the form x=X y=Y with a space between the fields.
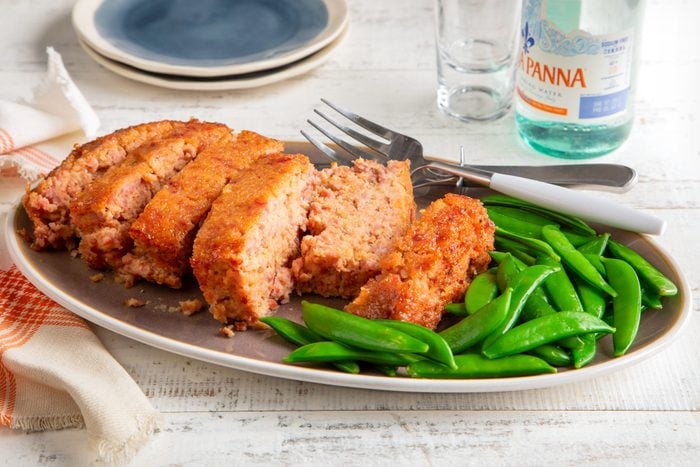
x=576 y=75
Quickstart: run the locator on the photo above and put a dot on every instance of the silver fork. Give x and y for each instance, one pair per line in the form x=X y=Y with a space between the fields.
x=397 y=146
x=605 y=177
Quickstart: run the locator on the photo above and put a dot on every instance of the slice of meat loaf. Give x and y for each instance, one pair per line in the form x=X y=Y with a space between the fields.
x=243 y=251
x=104 y=211
x=431 y=265
x=47 y=204
x=164 y=232
x=355 y=216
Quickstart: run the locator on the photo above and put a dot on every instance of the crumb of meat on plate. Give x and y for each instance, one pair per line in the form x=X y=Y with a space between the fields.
x=190 y=307
x=134 y=302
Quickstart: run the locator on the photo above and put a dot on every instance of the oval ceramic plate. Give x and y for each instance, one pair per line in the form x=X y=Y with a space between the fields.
x=246 y=81
x=66 y=280
x=210 y=37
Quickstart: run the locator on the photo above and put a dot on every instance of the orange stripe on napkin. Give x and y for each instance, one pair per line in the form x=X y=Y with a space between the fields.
x=48 y=159
x=7 y=144
x=23 y=310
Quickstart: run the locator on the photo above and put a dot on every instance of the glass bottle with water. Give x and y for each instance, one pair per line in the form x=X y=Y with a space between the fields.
x=576 y=75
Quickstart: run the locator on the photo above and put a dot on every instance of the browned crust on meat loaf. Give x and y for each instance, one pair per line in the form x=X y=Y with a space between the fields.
x=164 y=232
x=242 y=250
x=432 y=265
x=103 y=212
x=47 y=204
x=355 y=216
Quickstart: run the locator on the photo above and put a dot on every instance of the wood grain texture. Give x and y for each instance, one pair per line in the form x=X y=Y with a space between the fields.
x=646 y=414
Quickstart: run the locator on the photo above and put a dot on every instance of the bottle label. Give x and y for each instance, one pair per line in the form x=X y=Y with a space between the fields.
x=572 y=77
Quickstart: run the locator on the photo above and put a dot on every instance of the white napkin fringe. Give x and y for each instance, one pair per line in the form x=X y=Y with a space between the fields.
x=121 y=453
x=59 y=422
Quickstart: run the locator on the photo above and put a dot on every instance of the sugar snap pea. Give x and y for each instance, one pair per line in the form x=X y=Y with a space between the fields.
x=328 y=351
x=457 y=309
x=481 y=291
x=476 y=366
x=532 y=243
x=518 y=250
x=572 y=222
x=595 y=262
x=552 y=354
x=656 y=280
x=627 y=306
x=438 y=349
x=523 y=284
x=596 y=246
x=559 y=287
x=544 y=330
x=300 y=335
x=474 y=328
x=585 y=354
x=354 y=330
x=650 y=298
x=575 y=259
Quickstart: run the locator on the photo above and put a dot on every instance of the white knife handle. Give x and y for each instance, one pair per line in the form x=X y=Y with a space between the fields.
x=579 y=204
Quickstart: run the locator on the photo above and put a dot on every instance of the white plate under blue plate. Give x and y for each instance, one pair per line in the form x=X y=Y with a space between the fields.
x=208 y=38
x=220 y=83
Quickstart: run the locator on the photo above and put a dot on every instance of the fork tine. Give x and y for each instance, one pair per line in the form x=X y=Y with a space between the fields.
x=330 y=153
x=355 y=151
x=363 y=122
x=366 y=140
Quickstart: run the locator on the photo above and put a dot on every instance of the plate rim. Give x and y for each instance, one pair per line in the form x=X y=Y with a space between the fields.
x=83 y=14
x=292 y=70
x=360 y=381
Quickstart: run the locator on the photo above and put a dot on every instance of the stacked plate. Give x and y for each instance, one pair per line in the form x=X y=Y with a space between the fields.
x=210 y=44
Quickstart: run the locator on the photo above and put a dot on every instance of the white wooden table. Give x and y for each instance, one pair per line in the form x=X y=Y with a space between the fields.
x=646 y=415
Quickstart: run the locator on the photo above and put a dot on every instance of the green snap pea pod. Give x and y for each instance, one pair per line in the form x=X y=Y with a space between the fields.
x=596 y=246
x=520 y=213
x=649 y=274
x=476 y=366
x=559 y=286
x=481 y=291
x=506 y=272
x=537 y=305
x=499 y=256
x=357 y=331
x=532 y=243
x=592 y=299
x=585 y=354
x=552 y=354
x=523 y=284
x=651 y=299
x=516 y=249
x=457 y=309
x=301 y=335
x=575 y=259
x=544 y=330
x=438 y=349
x=627 y=306
x=574 y=223
x=474 y=328
x=575 y=239
x=388 y=370
x=328 y=351
x=515 y=224
x=596 y=263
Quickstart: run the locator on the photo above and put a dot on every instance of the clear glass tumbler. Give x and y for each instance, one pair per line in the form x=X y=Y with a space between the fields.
x=477 y=43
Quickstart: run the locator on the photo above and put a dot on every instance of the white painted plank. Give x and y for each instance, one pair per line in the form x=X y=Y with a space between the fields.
x=449 y=437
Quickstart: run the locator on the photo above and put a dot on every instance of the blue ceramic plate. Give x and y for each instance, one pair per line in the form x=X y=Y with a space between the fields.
x=208 y=38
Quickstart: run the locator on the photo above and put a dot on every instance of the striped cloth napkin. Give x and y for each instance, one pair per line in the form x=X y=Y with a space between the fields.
x=54 y=372
x=33 y=131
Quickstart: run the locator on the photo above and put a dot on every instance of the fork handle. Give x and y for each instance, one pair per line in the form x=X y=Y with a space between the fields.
x=579 y=204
